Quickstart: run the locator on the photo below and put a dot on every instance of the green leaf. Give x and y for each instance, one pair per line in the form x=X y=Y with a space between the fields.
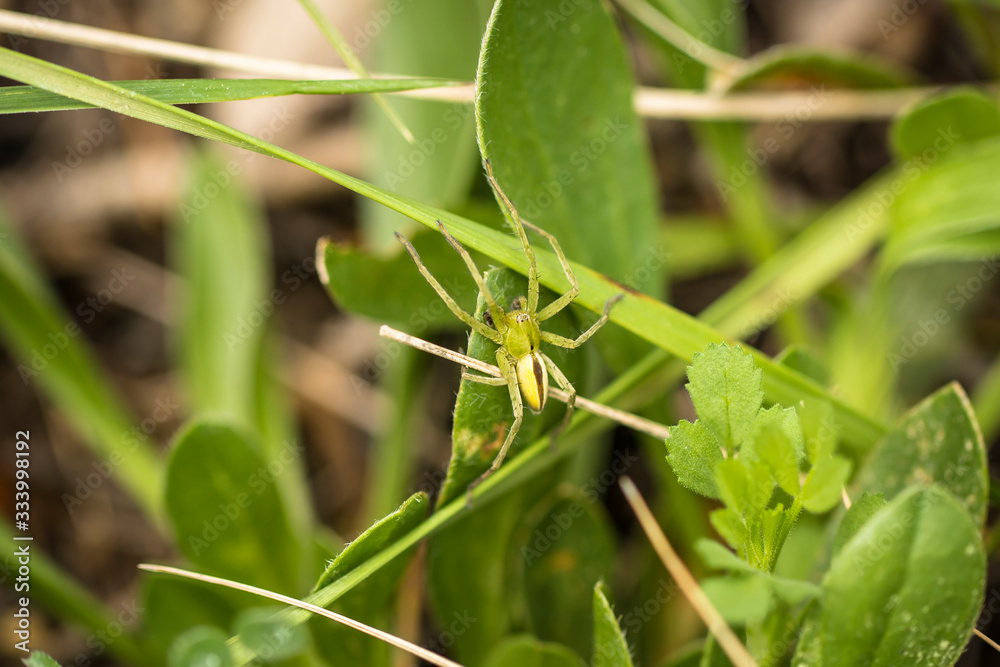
x=877 y=609
x=822 y=489
x=777 y=452
x=733 y=529
x=862 y=509
x=740 y=599
x=24 y=99
x=610 y=647
x=719 y=557
x=263 y=633
x=806 y=362
x=371 y=601
x=965 y=114
x=225 y=508
x=937 y=441
x=745 y=487
x=571 y=548
x=725 y=387
x=198 y=647
x=39 y=659
x=692 y=452
x=220 y=251
x=174 y=605
x=796 y=66
x=54 y=357
x=819 y=429
x=526 y=651
x=775 y=427
x=356 y=281
x=555 y=114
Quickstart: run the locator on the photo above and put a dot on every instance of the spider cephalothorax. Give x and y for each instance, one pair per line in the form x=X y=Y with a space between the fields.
x=518 y=333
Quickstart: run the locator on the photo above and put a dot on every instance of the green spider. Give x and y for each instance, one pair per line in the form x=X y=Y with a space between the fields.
x=524 y=366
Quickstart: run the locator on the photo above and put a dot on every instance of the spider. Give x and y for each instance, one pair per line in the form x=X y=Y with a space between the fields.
x=525 y=368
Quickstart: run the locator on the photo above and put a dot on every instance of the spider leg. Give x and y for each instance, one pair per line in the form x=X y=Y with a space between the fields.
x=574 y=287
x=571 y=343
x=515 y=399
x=518 y=226
x=491 y=303
x=483 y=379
x=566 y=386
x=478 y=326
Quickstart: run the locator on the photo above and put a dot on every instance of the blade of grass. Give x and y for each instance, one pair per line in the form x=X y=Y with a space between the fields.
x=346 y=53
x=652 y=320
x=21 y=99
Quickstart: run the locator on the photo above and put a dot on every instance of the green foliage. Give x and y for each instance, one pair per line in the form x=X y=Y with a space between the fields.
x=526 y=651
x=610 y=647
x=201 y=645
x=39 y=659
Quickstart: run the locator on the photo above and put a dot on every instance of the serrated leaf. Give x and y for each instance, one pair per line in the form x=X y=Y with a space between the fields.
x=732 y=528
x=370 y=601
x=526 y=651
x=777 y=452
x=200 y=646
x=356 y=281
x=226 y=511
x=262 y=632
x=822 y=490
x=610 y=647
x=862 y=509
x=573 y=548
x=964 y=114
x=693 y=452
x=725 y=387
x=795 y=66
x=937 y=441
x=740 y=599
x=877 y=613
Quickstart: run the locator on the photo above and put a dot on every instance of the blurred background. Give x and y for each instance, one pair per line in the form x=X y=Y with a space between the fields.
x=95 y=196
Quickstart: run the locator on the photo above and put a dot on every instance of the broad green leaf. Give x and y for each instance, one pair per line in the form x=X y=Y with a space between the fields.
x=692 y=452
x=730 y=525
x=654 y=321
x=877 y=612
x=526 y=651
x=484 y=413
x=357 y=282
x=441 y=39
x=823 y=486
x=724 y=384
x=740 y=599
x=174 y=605
x=719 y=557
x=220 y=251
x=610 y=647
x=200 y=646
x=23 y=99
x=937 y=441
x=862 y=509
x=225 y=509
x=776 y=451
x=39 y=659
x=371 y=601
x=556 y=120
x=963 y=114
x=571 y=548
x=264 y=633
x=783 y=66
x=54 y=357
